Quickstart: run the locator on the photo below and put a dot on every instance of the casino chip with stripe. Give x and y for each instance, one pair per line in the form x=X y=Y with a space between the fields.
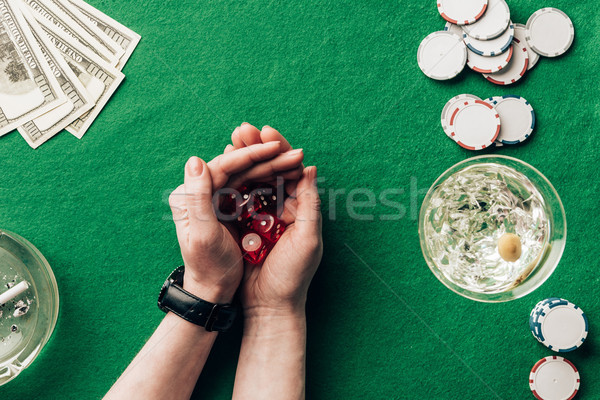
x=492 y=24
x=558 y=324
x=517 y=118
x=488 y=65
x=515 y=70
x=554 y=378
x=462 y=12
x=519 y=37
x=491 y=38
x=474 y=124
x=491 y=47
x=550 y=32
x=451 y=105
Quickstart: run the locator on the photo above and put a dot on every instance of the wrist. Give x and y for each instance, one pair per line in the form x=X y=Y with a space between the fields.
x=264 y=314
x=272 y=324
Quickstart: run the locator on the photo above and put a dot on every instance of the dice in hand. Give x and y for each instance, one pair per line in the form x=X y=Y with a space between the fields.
x=255 y=209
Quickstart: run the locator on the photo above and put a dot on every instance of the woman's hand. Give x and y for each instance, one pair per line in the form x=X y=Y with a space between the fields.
x=210 y=250
x=281 y=283
x=279 y=286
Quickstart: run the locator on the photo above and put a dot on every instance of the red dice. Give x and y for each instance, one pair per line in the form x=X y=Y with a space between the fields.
x=254 y=209
x=254 y=247
x=268 y=226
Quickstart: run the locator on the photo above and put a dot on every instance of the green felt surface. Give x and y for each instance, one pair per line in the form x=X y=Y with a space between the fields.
x=340 y=79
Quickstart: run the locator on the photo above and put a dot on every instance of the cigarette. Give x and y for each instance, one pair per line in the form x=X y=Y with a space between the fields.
x=13 y=292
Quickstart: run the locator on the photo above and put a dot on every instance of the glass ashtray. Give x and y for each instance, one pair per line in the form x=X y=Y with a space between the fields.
x=492 y=228
x=28 y=304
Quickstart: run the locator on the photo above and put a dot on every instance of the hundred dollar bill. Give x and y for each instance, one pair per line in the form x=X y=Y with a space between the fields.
x=94 y=31
x=120 y=34
x=27 y=86
x=48 y=11
x=99 y=78
x=42 y=128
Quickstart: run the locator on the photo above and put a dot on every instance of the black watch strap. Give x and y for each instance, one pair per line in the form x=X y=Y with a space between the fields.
x=213 y=317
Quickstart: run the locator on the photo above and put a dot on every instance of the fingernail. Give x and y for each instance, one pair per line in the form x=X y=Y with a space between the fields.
x=312 y=174
x=195 y=167
x=236 y=130
x=294 y=152
x=266 y=126
x=245 y=123
x=277 y=142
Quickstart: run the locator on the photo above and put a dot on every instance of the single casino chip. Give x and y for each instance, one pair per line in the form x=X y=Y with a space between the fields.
x=442 y=55
x=515 y=70
x=488 y=65
x=491 y=47
x=516 y=116
x=453 y=28
x=462 y=12
x=562 y=327
x=554 y=378
x=520 y=37
x=474 y=124
x=492 y=24
x=550 y=32
x=451 y=105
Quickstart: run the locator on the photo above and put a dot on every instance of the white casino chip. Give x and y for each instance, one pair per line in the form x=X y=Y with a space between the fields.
x=550 y=32
x=491 y=47
x=474 y=124
x=520 y=37
x=492 y=24
x=462 y=12
x=563 y=328
x=451 y=105
x=554 y=378
x=442 y=55
x=516 y=116
x=515 y=70
x=488 y=65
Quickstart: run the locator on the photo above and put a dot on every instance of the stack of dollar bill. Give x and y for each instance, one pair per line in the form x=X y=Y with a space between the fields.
x=60 y=62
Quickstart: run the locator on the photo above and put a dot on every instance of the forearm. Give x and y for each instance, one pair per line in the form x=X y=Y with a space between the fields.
x=272 y=357
x=168 y=365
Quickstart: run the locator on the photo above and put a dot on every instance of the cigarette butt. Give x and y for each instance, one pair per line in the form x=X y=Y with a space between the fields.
x=13 y=292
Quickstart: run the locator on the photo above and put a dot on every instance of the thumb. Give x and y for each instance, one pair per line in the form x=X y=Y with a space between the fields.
x=308 y=211
x=198 y=190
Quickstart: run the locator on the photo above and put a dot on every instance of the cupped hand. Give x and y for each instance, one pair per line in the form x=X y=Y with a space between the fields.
x=210 y=251
x=281 y=283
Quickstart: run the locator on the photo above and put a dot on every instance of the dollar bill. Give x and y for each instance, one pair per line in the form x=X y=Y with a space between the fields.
x=48 y=11
x=120 y=34
x=28 y=87
x=99 y=78
x=42 y=128
x=67 y=8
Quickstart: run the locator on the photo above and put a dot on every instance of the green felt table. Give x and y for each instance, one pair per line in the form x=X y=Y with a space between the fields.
x=339 y=79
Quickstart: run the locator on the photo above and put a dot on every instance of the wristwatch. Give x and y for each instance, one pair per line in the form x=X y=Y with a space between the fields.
x=213 y=317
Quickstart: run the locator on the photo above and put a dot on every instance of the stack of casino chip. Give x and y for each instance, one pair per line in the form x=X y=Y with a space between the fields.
x=562 y=327
x=558 y=324
x=476 y=124
x=481 y=34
